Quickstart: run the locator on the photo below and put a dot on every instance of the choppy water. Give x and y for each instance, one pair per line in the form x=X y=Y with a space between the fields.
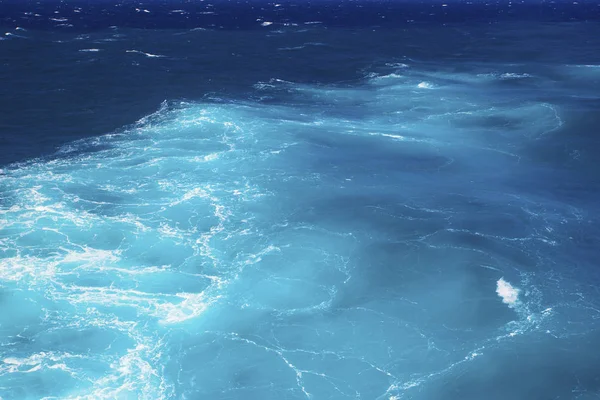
x=412 y=228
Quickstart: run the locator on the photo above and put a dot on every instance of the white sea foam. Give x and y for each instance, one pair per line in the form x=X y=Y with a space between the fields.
x=149 y=55
x=91 y=255
x=511 y=75
x=38 y=361
x=425 y=85
x=397 y=65
x=388 y=76
x=400 y=137
x=196 y=192
x=207 y=158
x=508 y=293
x=132 y=375
x=191 y=306
x=26 y=269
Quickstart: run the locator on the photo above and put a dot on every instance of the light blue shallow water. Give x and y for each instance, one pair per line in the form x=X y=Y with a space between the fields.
x=396 y=239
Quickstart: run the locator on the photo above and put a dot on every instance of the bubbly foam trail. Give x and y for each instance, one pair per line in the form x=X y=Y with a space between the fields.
x=72 y=259
x=248 y=249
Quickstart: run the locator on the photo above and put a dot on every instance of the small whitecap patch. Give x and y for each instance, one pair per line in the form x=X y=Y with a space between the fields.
x=425 y=85
x=146 y=54
x=510 y=75
x=206 y=158
x=397 y=65
x=509 y=294
x=392 y=75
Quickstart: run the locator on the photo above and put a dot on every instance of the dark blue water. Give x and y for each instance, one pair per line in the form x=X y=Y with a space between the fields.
x=325 y=200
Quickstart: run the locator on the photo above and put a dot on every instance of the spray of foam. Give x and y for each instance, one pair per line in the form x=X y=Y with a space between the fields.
x=509 y=294
x=425 y=85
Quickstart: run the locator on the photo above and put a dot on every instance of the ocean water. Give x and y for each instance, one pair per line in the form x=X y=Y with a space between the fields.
x=309 y=204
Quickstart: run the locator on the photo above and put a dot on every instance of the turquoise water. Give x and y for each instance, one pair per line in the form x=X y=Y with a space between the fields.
x=427 y=231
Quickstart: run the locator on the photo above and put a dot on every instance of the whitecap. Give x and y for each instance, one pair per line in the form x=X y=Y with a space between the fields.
x=206 y=158
x=388 y=76
x=191 y=306
x=511 y=75
x=425 y=85
x=291 y=48
x=13 y=35
x=397 y=65
x=149 y=55
x=508 y=293
x=263 y=86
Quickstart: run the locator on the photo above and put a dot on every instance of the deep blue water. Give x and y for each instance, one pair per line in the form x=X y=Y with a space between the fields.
x=360 y=200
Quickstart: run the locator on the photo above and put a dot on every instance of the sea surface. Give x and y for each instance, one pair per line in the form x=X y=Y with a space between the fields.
x=325 y=200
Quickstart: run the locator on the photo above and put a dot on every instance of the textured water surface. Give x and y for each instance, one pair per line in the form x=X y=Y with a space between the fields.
x=415 y=229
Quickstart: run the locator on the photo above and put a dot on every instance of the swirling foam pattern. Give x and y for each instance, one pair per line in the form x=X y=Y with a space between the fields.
x=379 y=241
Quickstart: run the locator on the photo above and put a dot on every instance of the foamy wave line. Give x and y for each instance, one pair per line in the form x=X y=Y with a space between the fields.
x=149 y=55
